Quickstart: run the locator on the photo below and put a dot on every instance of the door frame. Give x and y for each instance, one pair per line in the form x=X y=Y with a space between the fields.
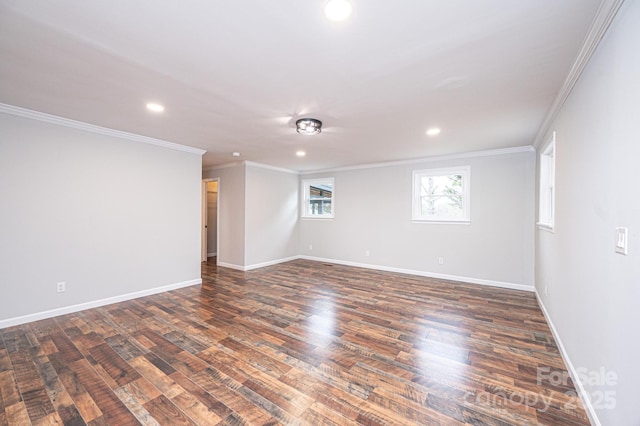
x=205 y=214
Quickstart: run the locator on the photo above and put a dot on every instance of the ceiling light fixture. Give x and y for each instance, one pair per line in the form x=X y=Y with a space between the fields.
x=308 y=126
x=155 y=107
x=235 y=154
x=433 y=131
x=301 y=153
x=337 y=10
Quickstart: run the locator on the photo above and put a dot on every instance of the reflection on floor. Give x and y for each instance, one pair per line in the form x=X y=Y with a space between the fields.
x=300 y=342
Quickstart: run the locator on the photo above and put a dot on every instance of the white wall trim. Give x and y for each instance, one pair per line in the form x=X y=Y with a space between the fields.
x=474 y=154
x=582 y=392
x=79 y=125
x=250 y=164
x=268 y=167
x=244 y=217
x=466 y=280
x=258 y=265
x=212 y=254
x=491 y=283
x=605 y=15
x=94 y=304
x=231 y=266
x=270 y=263
x=224 y=166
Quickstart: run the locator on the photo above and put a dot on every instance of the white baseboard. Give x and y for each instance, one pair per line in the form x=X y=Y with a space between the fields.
x=491 y=283
x=257 y=265
x=212 y=254
x=231 y=266
x=582 y=392
x=270 y=263
x=94 y=304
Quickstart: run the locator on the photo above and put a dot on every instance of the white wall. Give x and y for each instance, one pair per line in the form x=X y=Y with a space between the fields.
x=593 y=293
x=271 y=215
x=231 y=192
x=108 y=216
x=373 y=212
x=258 y=214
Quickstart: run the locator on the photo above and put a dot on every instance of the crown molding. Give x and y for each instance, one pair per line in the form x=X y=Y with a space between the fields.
x=474 y=154
x=606 y=13
x=268 y=167
x=79 y=125
x=251 y=164
x=224 y=166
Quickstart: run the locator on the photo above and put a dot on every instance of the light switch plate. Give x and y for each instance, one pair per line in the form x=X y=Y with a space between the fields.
x=621 y=240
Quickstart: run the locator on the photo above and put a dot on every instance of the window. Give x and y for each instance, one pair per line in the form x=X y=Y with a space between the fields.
x=318 y=198
x=441 y=195
x=547 y=203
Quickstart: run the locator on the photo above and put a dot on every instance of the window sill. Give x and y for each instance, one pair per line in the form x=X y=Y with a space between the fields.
x=546 y=227
x=317 y=218
x=442 y=222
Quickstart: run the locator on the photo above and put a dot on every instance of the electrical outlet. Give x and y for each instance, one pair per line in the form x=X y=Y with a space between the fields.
x=310 y=247
x=546 y=290
x=441 y=261
x=622 y=239
x=61 y=287
x=366 y=253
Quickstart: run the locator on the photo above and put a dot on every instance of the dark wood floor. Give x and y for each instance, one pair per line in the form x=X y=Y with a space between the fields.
x=296 y=343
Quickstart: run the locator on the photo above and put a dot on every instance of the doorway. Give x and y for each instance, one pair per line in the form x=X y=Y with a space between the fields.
x=210 y=214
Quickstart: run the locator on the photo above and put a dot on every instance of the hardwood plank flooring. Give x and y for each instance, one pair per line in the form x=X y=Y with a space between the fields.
x=297 y=343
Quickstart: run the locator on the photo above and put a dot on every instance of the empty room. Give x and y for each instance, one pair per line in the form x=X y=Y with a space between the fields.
x=320 y=212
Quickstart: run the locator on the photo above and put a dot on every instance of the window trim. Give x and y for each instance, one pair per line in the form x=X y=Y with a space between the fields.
x=465 y=171
x=547 y=185
x=304 y=208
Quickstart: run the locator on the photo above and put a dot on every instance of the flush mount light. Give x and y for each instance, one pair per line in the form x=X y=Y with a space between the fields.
x=433 y=131
x=151 y=106
x=308 y=126
x=337 y=10
x=235 y=154
x=301 y=153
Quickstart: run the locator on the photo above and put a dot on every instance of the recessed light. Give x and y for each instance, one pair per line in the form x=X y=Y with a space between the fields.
x=235 y=154
x=337 y=10
x=151 y=106
x=301 y=153
x=433 y=131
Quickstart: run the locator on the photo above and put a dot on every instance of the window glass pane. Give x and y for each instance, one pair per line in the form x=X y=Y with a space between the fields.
x=442 y=185
x=318 y=198
x=441 y=195
x=318 y=207
x=546 y=197
x=442 y=207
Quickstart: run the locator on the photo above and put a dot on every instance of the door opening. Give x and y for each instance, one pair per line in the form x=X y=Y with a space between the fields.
x=210 y=209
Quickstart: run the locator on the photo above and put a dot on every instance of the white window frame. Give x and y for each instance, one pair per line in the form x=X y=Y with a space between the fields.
x=547 y=185
x=465 y=171
x=306 y=184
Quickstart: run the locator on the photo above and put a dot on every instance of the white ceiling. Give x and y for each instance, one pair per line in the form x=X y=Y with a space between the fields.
x=234 y=75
